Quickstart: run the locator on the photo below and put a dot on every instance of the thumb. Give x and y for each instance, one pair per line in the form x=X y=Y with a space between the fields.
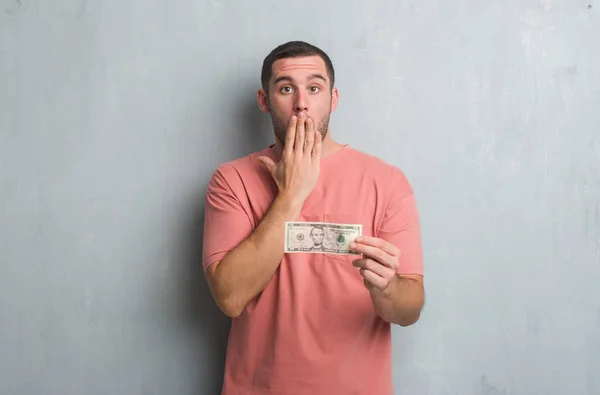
x=268 y=162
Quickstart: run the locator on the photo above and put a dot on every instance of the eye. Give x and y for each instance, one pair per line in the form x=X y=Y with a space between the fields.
x=285 y=89
x=314 y=89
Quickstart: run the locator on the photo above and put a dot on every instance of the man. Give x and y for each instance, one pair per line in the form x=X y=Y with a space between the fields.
x=317 y=234
x=313 y=323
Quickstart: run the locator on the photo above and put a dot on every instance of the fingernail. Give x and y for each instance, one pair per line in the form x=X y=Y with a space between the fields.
x=359 y=239
x=352 y=245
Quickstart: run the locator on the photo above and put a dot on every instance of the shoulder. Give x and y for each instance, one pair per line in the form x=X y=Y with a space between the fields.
x=380 y=171
x=234 y=171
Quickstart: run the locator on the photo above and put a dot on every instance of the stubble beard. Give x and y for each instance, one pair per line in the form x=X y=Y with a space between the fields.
x=280 y=127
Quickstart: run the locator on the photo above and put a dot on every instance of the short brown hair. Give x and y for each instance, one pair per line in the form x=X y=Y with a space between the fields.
x=294 y=49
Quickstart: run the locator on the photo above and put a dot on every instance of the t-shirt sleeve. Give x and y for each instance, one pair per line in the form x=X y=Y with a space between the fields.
x=226 y=223
x=401 y=225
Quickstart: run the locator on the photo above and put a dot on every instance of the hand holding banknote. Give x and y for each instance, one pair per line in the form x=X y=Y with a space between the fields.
x=380 y=258
x=380 y=261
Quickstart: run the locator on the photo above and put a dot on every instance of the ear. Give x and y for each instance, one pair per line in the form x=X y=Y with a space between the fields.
x=263 y=102
x=334 y=99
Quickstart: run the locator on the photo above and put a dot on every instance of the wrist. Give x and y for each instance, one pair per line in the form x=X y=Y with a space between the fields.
x=290 y=203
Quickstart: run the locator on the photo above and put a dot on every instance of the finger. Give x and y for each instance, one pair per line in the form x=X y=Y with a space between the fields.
x=290 y=136
x=377 y=254
x=373 y=279
x=309 y=138
x=358 y=263
x=316 y=151
x=375 y=267
x=300 y=130
x=379 y=243
x=267 y=162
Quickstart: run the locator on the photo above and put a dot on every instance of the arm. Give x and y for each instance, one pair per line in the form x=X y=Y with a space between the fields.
x=248 y=259
x=396 y=298
x=392 y=264
x=246 y=270
x=401 y=302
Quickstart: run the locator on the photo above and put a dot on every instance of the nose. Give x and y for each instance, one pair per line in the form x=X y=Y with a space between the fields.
x=300 y=104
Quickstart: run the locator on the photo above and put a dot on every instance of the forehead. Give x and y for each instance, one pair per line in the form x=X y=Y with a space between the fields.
x=299 y=68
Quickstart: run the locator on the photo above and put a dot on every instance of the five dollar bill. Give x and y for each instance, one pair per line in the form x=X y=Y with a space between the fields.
x=320 y=237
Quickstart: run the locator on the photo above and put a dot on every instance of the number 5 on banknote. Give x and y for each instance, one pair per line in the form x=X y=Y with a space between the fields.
x=320 y=237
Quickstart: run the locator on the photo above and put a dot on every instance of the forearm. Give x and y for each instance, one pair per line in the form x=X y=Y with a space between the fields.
x=246 y=270
x=401 y=302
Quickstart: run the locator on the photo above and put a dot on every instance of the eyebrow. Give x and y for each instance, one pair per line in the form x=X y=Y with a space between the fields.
x=310 y=77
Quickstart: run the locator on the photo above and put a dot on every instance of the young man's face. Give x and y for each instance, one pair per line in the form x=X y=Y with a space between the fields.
x=300 y=85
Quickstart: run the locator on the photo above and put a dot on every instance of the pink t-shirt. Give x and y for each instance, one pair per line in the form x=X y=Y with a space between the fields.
x=313 y=330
